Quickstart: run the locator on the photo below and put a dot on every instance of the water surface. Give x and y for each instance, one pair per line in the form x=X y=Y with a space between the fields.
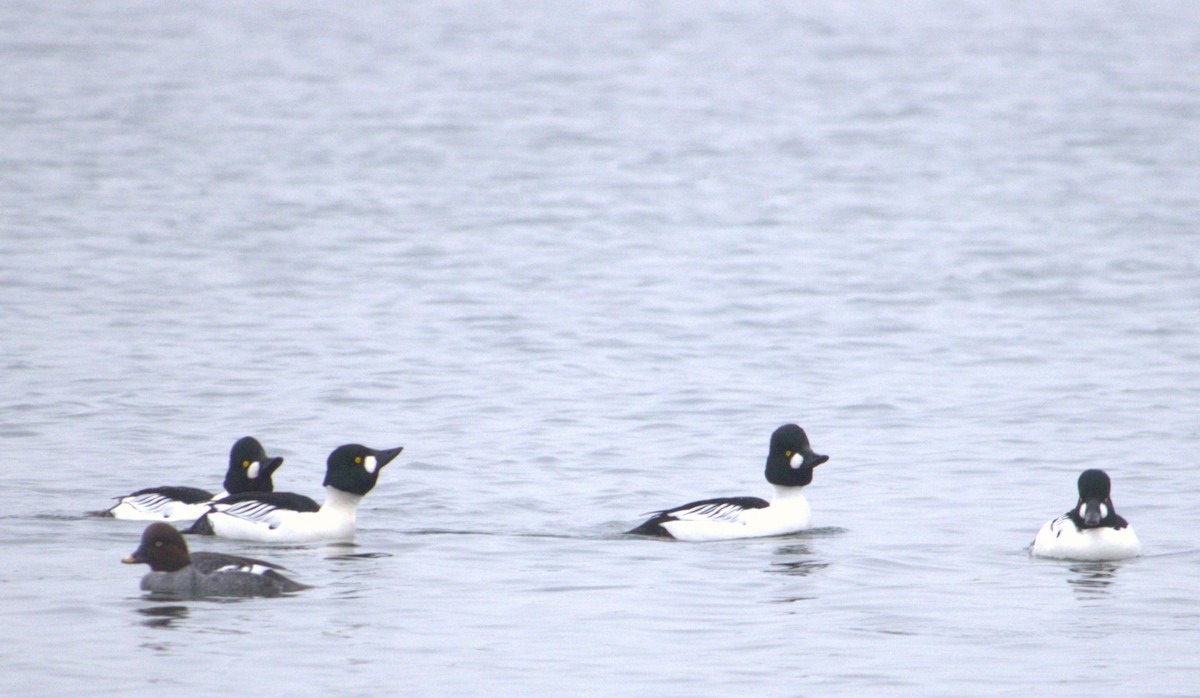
x=581 y=260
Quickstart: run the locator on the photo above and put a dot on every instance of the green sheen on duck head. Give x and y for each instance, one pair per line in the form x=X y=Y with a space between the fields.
x=354 y=468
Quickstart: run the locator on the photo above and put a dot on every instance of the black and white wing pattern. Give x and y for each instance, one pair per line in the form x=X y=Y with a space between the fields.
x=160 y=504
x=722 y=510
x=208 y=563
x=727 y=509
x=254 y=510
x=1061 y=523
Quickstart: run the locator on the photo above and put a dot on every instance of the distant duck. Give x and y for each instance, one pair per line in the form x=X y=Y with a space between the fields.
x=175 y=573
x=249 y=470
x=790 y=463
x=351 y=472
x=1092 y=531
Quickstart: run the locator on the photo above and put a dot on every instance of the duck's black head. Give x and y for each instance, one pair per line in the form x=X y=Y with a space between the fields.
x=791 y=460
x=1095 y=507
x=250 y=469
x=355 y=468
x=162 y=548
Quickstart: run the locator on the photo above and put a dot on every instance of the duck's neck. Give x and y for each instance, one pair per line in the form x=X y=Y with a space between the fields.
x=339 y=502
x=787 y=495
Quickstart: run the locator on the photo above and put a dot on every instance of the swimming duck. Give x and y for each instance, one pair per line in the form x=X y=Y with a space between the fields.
x=250 y=470
x=351 y=472
x=1091 y=531
x=175 y=573
x=790 y=463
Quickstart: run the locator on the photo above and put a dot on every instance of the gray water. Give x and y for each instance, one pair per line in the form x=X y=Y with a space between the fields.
x=580 y=259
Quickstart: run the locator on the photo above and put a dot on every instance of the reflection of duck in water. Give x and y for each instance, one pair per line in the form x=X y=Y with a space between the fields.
x=1093 y=578
x=162 y=616
x=1092 y=530
x=796 y=561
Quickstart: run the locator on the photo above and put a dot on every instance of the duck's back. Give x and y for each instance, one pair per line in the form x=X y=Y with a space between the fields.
x=730 y=517
x=1062 y=539
x=161 y=504
x=190 y=583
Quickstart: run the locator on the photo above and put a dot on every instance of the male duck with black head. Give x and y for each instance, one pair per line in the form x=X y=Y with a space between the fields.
x=790 y=463
x=283 y=517
x=250 y=470
x=1092 y=531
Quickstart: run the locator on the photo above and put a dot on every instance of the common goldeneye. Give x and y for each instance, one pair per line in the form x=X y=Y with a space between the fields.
x=790 y=463
x=351 y=472
x=1091 y=531
x=250 y=470
x=175 y=573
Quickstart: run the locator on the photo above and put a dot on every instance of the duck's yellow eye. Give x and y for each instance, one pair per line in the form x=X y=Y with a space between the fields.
x=358 y=459
x=158 y=543
x=788 y=454
x=245 y=464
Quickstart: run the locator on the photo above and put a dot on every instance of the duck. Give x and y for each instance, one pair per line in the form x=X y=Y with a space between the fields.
x=175 y=573
x=1092 y=531
x=790 y=463
x=250 y=470
x=351 y=472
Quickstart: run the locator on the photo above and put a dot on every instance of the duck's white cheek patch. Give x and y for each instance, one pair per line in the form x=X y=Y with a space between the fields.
x=252 y=471
x=1103 y=511
x=797 y=459
x=370 y=464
